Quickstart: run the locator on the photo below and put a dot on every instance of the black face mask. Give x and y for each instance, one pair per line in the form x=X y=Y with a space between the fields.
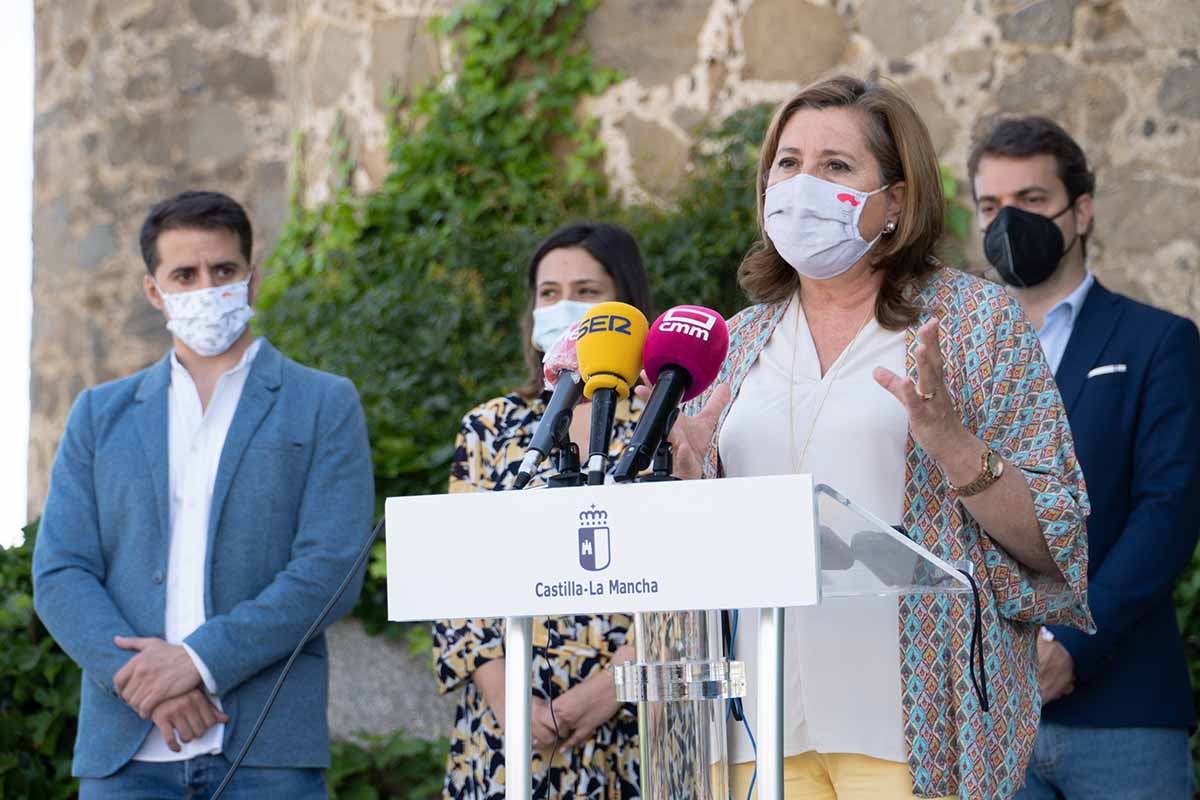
x=1025 y=248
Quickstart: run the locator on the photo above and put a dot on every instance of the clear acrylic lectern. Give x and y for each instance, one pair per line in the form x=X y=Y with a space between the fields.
x=682 y=678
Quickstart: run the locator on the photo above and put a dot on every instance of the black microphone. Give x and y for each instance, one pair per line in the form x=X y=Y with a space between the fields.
x=655 y=422
x=553 y=425
x=604 y=414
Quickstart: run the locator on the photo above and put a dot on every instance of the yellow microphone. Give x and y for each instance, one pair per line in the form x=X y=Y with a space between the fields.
x=610 y=340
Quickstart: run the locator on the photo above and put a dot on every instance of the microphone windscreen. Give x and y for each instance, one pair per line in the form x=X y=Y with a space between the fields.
x=692 y=337
x=561 y=356
x=609 y=345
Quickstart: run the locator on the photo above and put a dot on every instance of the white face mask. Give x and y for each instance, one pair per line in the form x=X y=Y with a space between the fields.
x=549 y=322
x=814 y=225
x=209 y=320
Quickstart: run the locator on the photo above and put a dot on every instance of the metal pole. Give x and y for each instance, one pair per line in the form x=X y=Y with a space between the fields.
x=770 y=704
x=518 y=663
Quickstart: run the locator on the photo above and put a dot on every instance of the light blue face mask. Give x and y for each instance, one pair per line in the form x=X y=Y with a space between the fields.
x=550 y=322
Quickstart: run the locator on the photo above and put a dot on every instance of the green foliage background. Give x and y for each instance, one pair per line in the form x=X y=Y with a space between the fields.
x=415 y=291
x=39 y=689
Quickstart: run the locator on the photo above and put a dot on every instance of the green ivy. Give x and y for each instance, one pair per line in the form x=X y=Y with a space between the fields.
x=39 y=689
x=398 y=767
x=415 y=290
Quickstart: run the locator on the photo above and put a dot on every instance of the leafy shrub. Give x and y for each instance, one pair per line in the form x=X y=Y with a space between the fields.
x=39 y=689
x=413 y=290
x=398 y=767
x=1187 y=605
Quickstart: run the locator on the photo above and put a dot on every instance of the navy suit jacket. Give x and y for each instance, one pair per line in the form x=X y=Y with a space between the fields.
x=1137 y=434
x=291 y=508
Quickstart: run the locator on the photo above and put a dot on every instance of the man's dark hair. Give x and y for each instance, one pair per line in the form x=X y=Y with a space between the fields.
x=1023 y=137
x=205 y=210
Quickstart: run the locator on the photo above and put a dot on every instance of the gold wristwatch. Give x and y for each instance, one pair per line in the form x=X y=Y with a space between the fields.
x=992 y=467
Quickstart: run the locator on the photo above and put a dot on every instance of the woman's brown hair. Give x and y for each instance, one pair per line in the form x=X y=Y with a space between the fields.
x=901 y=144
x=616 y=250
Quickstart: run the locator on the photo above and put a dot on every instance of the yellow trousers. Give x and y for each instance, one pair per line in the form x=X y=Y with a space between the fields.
x=831 y=776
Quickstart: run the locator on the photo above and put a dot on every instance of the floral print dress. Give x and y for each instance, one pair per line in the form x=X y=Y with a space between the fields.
x=566 y=650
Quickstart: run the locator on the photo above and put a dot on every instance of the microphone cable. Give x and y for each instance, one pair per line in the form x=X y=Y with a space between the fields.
x=312 y=629
x=736 y=708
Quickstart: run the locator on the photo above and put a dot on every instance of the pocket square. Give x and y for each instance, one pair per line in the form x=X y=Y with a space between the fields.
x=1107 y=369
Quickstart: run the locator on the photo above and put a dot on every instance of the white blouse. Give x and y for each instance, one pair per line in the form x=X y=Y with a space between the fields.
x=842 y=668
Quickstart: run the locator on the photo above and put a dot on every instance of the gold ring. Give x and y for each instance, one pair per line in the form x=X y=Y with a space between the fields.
x=926 y=396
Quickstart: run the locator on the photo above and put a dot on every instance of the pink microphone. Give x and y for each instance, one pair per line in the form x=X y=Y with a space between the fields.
x=683 y=354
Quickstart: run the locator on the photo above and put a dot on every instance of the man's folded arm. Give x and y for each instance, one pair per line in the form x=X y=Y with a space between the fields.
x=333 y=523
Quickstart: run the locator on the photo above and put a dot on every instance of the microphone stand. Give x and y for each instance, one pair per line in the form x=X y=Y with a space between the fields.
x=680 y=660
x=663 y=465
x=518 y=645
x=566 y=459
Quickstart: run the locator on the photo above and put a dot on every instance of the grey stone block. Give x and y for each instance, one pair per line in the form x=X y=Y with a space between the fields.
x=377 y=686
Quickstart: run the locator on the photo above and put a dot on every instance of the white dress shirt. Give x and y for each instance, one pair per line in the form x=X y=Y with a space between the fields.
x=842 y=674
x=1060 y=321
x=196 y=437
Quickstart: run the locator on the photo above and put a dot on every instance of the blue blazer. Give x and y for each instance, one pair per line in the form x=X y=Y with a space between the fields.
x=291 y=507
x=1137 y=434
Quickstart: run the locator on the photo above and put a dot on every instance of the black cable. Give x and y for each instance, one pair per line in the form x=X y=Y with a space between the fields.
x=977 y=645
x=312 y=629
x=553 y=750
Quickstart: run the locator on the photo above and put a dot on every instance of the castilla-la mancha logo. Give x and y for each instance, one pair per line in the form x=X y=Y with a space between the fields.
x=595 y=551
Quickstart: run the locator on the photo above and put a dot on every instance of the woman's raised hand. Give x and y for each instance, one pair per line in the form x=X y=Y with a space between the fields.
x=932 y=418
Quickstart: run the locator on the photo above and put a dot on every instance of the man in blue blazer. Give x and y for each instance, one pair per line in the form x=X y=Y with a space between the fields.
x=201 y=513
x=1117 y=705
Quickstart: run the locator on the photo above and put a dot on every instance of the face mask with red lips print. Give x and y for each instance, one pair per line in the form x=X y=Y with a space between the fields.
x=814 y=225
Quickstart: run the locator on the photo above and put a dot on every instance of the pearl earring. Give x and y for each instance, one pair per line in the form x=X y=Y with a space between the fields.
x=890 y=228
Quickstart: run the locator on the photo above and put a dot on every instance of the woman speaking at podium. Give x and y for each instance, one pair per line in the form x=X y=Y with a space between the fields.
x=576 y=267
x=921 y=393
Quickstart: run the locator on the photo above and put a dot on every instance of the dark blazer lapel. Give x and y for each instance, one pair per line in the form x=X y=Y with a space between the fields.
x=258 y=396
x=151 y=416
x=1093 y=328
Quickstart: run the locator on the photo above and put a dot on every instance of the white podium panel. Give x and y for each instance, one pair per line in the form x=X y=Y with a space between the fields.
x=731 y=543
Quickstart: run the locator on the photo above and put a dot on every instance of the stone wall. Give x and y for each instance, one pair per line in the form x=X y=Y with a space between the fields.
x=1122 y=75
x=137 y=99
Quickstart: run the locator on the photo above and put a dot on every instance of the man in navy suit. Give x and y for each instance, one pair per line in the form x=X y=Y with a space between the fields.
x=1117 y=706
x=201 y=513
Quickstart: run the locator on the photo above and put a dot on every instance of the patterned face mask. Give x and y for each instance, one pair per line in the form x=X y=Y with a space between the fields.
x=814 y=225
x=209 y=320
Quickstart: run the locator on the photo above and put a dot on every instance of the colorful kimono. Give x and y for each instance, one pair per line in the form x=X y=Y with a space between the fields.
x=999 y=379
x=566 y=650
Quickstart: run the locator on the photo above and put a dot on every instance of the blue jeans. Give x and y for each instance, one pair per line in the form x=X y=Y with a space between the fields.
x=1071 y=763
x=197 y=778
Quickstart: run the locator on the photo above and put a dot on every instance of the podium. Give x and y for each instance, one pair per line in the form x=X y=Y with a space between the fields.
x=653 y=548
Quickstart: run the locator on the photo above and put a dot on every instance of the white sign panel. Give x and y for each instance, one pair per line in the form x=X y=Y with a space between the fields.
x=730 y=543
